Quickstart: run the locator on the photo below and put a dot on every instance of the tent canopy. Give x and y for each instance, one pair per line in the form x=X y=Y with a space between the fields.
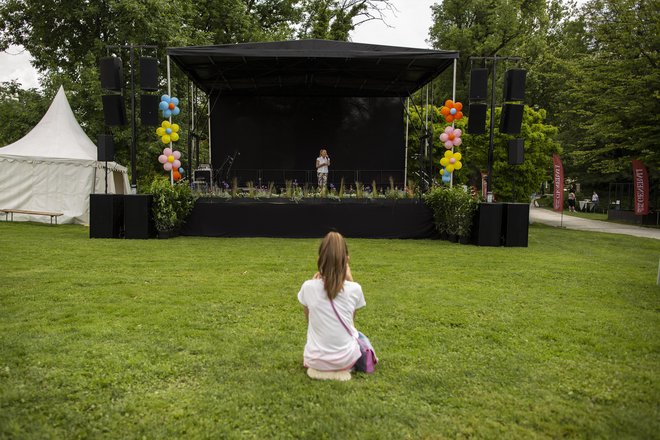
x=310 y=68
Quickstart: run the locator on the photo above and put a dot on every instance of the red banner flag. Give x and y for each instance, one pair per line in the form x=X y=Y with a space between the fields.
x=641 y=184
x=558 y=179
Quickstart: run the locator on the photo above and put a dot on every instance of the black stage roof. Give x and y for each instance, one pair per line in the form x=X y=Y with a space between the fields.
x=310 y=68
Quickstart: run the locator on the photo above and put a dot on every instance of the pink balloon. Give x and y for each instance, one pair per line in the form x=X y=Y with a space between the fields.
x=167 y=151
x=162 y=158
x=444 y=137
x=177 y=155
x=176 y=164
x=448 y=145
x=167 y=166
x=452 y=160
x=449 y=129
x=458 y=132
x=458 y=141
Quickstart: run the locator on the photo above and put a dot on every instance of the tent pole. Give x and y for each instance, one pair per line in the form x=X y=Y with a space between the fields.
x=209 y=124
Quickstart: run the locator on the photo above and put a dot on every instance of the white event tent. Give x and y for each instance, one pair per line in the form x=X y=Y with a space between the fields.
x=54 y=168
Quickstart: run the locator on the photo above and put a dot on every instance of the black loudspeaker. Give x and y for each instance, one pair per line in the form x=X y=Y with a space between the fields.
x=112 y=73
x=203 y=176
x=138 y=219
x=106 y=148
x=514 y=85
x=477 y=119
x=515 y=224
x=511 y=119
x=148 y=74
x=149 y=110
x=478 y=84
x=114 y=111
x=516 y=151
x=106 y=215
x=487 y=228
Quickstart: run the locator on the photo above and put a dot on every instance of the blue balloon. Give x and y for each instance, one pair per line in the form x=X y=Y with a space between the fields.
x=452 y=111
x=167 y=113
x=162 y=105
x=446 y=177
x=176 y=111
x=165 y=98
x=175 y=101
x=168 y=130
x=181 y=170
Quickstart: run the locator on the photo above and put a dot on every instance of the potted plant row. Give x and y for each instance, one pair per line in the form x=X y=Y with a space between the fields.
x=453 y=212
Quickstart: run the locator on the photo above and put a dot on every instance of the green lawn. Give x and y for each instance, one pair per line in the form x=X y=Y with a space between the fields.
x=203 y=338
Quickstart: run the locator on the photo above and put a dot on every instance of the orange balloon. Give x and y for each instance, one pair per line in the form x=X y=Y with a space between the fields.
x=451 y=137
x=449 y=103
x=458 y=106
x=444 y=111
x=449 y=118
x=176 y=175
x=171 y=106
x=458 y=115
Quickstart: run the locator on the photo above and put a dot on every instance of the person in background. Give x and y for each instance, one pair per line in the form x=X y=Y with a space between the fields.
x=571 y=201
x=594 y=201
x=322 y=164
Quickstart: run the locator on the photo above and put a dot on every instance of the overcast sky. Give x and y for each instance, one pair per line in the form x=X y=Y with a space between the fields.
x=409 y=27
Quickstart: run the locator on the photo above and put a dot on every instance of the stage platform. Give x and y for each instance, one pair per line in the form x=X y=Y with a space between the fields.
x=310 y=218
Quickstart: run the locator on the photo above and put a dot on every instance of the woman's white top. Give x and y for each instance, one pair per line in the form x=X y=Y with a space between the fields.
x=329 y=346
x=322 y=161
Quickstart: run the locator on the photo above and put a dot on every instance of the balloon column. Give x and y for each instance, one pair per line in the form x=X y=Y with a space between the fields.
x=452 y=111
x=450 y=162
x=171 y=162
x=451 y=138
x=169 y=133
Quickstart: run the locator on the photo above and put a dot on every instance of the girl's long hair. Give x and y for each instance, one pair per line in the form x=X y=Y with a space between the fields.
x=333 y=259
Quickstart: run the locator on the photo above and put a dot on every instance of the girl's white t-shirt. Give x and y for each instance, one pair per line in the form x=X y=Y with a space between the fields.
x=322 y=161
x=329 y=346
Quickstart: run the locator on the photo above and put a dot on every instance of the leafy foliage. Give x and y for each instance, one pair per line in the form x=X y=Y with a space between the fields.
x=171 y=203
x=453 y=210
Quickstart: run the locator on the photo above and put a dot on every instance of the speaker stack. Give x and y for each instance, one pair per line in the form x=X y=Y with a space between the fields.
x=478 y=94
x=112 y=79
x=514 y=90
x=149 y=83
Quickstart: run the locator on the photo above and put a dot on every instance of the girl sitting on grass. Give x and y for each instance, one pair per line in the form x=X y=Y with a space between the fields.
x=331 y=352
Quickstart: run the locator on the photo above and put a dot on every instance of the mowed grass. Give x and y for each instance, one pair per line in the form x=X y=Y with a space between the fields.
x=203 y=338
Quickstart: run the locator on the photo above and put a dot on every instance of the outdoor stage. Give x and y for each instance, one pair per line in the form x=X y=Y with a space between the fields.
x=310 y=218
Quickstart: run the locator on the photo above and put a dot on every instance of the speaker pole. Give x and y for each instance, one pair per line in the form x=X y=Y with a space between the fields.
x=491 y=142
x=106 y=176
x=133 y=124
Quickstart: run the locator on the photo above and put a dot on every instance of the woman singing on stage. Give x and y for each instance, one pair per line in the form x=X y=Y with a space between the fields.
x=322 y=164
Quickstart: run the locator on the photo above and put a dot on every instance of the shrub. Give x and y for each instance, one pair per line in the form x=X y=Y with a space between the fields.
x=453 y=210
x=171 y=203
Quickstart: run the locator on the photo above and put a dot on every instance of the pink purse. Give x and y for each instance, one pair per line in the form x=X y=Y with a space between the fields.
x=368 y=360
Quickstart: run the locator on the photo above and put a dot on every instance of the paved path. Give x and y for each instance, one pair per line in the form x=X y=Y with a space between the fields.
x=548 y=217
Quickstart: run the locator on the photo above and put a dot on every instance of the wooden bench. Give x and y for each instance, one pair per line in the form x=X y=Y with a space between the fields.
x=53 y=215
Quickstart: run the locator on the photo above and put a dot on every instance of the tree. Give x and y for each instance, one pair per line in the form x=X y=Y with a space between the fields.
x=540 y=144
x=335 y=19
x=20 y=111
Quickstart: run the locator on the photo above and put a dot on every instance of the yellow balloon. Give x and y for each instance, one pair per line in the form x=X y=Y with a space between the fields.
x=458 y=156
x=448 y=154
x=166 y=139
x=458 y=165
x=442 y=172
x=175 y=137
x=175 y=127
x=165 y=124
x=160 y=131
x=444 y=161
x=450 y=168
x=170 y=158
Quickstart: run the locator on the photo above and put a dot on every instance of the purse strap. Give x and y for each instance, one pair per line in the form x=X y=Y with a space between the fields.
x=332 y=303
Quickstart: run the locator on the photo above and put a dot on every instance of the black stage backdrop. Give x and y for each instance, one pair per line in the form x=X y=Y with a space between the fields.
x=288 y=132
